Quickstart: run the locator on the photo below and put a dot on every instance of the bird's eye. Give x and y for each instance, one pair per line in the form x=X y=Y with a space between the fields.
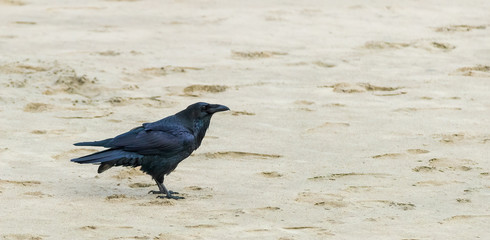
x=203 y=108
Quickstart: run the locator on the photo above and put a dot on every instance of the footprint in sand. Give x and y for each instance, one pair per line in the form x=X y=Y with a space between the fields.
x=22 y=183
x=12 y=2
x=417 y=151
x=272 y=174
x=255 y=55
x=446 y=164
x=201 y=226
x=336 y=176
x=451 y=164
x=420 y=44
x=388 y=203
x=22 y=68
x=449 y=137
x=412 y=109
x=322 y=200
x=23 y=237
x=37 y=107
x=466 y=219
x=118 y=198
x=476 y=71
x=162 y=71
x=198 y=90
x=141 y=185
x=388 y=156
x=154 y=101
x=128 y=173
x=38 y=194
x=318 y=230
x=460 y=28
x=239 y=113
x=361 y=87
x=158 y=202
x=108 y=53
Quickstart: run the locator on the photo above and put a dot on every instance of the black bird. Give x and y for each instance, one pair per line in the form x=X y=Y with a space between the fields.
x=157 y=147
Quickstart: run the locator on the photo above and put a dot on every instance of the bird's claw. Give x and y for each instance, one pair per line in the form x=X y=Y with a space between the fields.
x=170 y=197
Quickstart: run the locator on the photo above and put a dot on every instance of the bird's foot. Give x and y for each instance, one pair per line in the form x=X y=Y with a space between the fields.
x=162 y=192
x=169 y=196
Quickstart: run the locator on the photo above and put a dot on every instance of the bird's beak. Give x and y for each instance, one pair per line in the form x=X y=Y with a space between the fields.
x=213 y=108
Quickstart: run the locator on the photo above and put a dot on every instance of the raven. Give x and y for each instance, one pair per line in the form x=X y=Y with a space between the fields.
x=157 y=147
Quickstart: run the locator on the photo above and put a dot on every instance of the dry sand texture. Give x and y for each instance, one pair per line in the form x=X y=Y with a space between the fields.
x=350 y=119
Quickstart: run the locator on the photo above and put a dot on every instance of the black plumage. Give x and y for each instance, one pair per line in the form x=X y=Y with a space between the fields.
x=157 y=147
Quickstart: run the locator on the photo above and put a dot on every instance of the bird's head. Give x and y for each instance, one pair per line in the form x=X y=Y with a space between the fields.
x=202 y=110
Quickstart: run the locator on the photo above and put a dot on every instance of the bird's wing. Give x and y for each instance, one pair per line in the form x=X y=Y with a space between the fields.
x=168 y=140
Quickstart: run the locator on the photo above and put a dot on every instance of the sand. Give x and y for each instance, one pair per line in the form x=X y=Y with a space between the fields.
x=349 y=120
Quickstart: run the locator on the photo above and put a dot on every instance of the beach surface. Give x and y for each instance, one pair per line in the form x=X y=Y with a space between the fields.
x=349 y=119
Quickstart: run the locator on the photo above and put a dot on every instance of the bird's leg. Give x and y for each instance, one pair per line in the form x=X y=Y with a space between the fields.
x=163 y=190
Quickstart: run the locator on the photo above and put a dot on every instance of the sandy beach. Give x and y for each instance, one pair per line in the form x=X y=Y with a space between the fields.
x=349 y=119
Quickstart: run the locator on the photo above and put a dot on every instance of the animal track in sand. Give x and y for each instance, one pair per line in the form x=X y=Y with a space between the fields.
x=417 y=151
x=449 y=137
x=423 y=169
x=316 y=63
x=463 y=200
x=272 y=174
x=154 y=101
x=198 y=89
x=12 y=2
x=141 y=185
x=22 y=68
x=385 y=45
x=233 y=154
x=322 y=199
x=324 y=64
x=358 y=88
x=161 y=71
x=400 y=205
x=118 y=198
x=255 y=55
x=89 y=227
x=435 y=183
x=389 y=155
x=452 y=164
x=108 y=53
x=269 y=208
x=420 y=44
x=444 y=164
x=91 y=117
x=460 y=28
x=22 y=237
x=50 y=78
x=238 y=113
x=476 y=71
x=23 y=183
x=201 y=226
x=37 y=107
x=128 y=173
x=412 y=109
x=38 y=194
x=465 y=218
x=158 y=202
x=335 y=176
x=319 y=231
x=70 y=82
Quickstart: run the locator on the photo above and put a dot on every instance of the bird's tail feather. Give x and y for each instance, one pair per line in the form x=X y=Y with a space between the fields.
x=111 y=157
x=102 y=143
